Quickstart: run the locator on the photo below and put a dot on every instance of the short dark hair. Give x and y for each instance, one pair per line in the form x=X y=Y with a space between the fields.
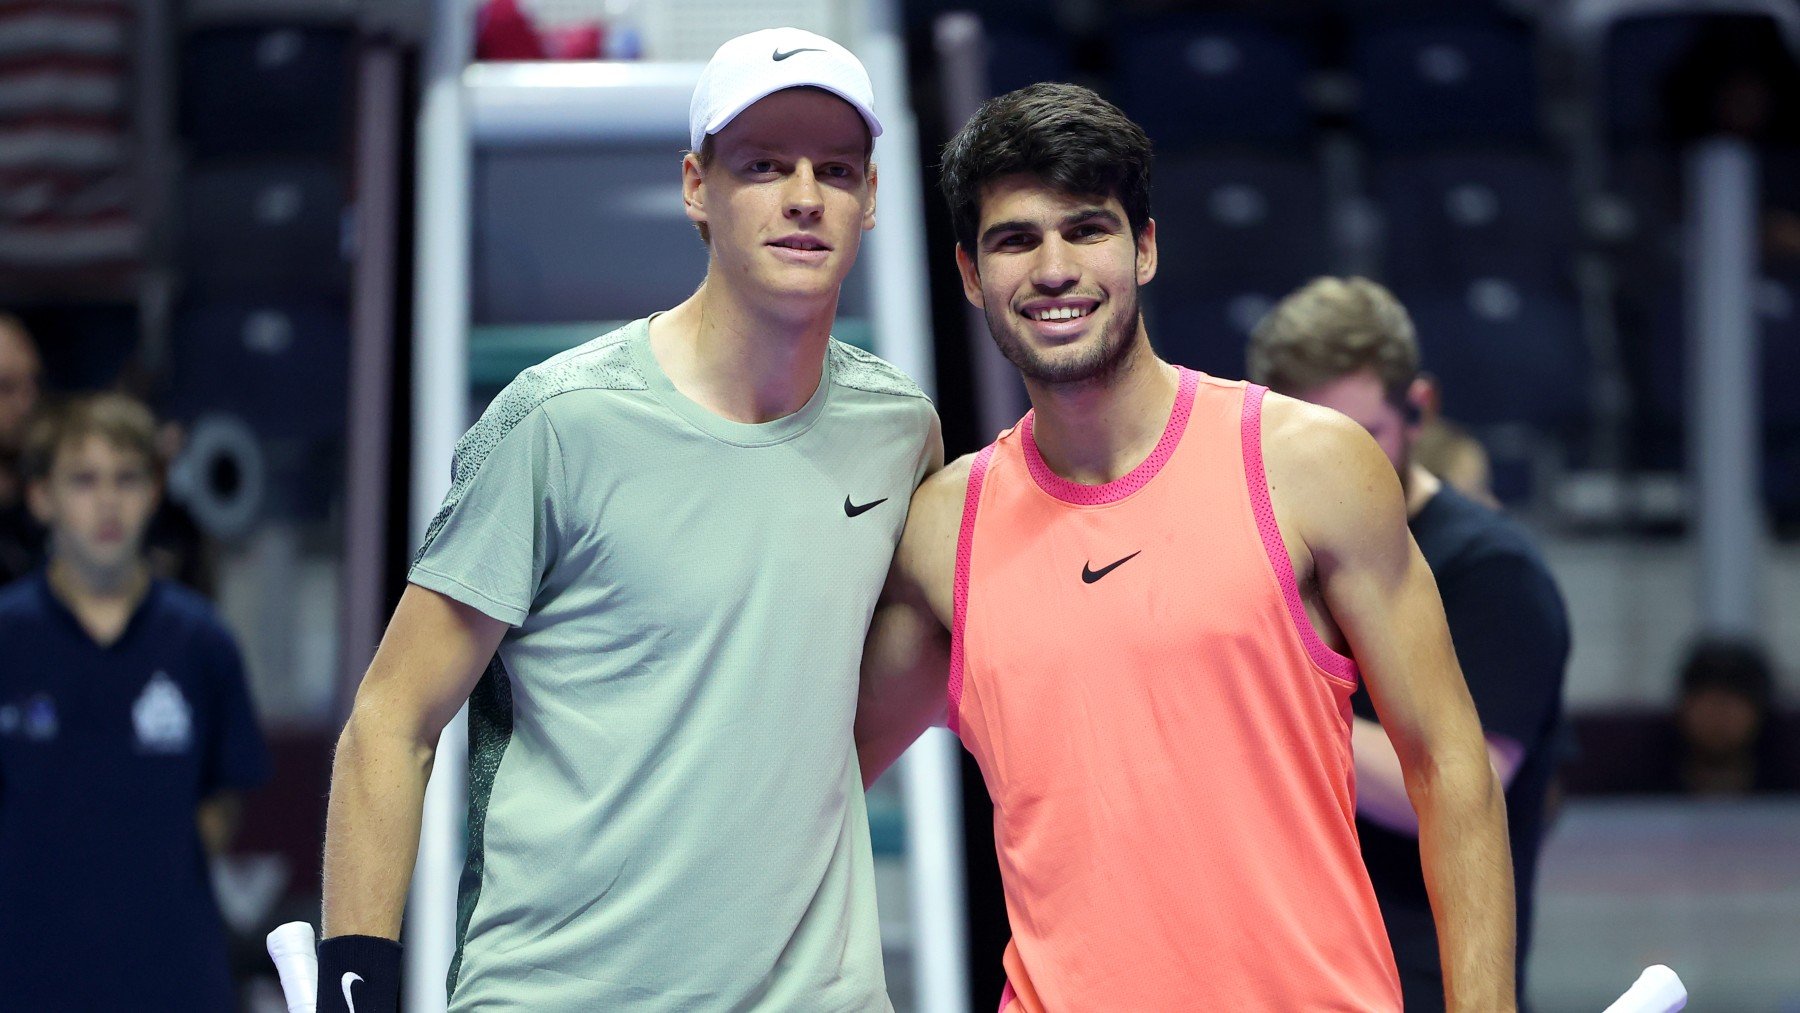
x=1732 y=665
x=1068 y=137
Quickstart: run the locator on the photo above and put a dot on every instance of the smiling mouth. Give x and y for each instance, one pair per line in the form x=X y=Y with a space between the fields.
x=1054 y=314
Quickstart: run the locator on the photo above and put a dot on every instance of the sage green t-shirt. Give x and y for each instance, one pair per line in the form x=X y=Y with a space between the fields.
x=666 y=811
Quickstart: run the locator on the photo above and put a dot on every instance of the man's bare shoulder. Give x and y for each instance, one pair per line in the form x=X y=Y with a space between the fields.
x=945 y=488
x=1325 y=470
x=1308 y=434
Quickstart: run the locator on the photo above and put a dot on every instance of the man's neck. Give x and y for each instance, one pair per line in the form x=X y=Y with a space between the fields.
x=1420 y=487
x=1095 y=432
x=737 y=358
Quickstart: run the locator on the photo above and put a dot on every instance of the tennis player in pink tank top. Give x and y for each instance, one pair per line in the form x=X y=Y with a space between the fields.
x=1144 y=609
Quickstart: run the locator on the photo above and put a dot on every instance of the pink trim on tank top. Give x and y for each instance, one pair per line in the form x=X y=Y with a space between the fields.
x=1332 y=662
x=1132 y=481
x=965 y=547
x=1006 y=997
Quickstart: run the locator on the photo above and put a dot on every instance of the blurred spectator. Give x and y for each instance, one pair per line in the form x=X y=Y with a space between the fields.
x=1721 y=742
x=1348 y=344
x=1738 y=79
x=1448 y=451
x=125 y=726
x=21 y=541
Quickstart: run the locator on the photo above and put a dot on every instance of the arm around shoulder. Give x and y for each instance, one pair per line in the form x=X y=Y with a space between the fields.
x=907 y=656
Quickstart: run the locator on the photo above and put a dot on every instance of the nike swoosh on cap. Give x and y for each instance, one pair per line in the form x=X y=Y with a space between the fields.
x=780 y=56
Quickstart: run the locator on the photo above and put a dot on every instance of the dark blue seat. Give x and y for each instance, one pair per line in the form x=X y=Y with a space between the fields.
x=1663 y=319
x=1505 y=353
x=281 y=365
x=1231 y=222
x=1197 y=81
x=269 y=227
x=1445 y=80
x=1208 y=332
x=1450 y=217
x=1016 y=59
x=269 y=90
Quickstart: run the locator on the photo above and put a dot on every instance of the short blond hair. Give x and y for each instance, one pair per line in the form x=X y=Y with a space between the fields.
x=1332 y=327
x=120 y=420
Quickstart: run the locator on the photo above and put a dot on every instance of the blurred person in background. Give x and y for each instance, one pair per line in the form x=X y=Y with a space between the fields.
x=1348 y=344
x=651 y=580
x=126 y=729
x=1450 y=452
x=1721 y=740
x=21 y=539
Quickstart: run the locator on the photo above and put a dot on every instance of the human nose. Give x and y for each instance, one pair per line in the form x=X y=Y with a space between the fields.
x=1054 y=269
x=802 y=197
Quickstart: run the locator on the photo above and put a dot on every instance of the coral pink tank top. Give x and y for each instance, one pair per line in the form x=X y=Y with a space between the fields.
x=1165 y=737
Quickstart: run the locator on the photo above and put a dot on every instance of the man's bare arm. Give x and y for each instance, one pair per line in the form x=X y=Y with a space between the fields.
x=907 y=657
x=434 y=650
x=1382 y=597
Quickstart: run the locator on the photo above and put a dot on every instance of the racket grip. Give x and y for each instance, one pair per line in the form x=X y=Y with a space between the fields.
x=296 y=958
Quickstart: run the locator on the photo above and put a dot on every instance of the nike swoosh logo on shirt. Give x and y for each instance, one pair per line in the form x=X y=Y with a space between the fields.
x=349 y=978
x=779 y=55
x=1089 y=576
x=853 y=510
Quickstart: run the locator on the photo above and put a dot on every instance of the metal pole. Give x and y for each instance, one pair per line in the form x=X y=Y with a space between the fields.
x=371 y=363
x=931 y=782
x=1724 y=414
x=961 y=46
x=440 y=413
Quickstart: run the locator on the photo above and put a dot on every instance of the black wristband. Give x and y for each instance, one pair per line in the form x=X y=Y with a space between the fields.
x=359 y=974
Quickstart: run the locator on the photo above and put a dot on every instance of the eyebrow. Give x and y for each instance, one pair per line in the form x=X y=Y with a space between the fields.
x=1072 y=218
x=772 y=147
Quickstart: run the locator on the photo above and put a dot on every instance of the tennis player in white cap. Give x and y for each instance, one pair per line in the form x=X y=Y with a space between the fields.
x=651 y=580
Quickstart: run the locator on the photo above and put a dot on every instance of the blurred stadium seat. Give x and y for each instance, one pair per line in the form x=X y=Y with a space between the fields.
x=1445 y=79
x=267 y=226
x=1017 y=58
x=1454 y=216
x=280 y=364
x=1232 y=221
x=1208 y=333
x=1505 y=354
x=1197 y=81
x=266 y=89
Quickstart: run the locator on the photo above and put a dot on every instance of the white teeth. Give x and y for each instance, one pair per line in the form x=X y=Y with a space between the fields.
x=1060 y=313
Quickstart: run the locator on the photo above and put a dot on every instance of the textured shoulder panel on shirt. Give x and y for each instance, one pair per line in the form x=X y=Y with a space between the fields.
x=604 y=363
x=853 y=367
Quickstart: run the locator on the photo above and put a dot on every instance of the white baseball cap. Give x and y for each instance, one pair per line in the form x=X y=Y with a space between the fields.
x=754 y=66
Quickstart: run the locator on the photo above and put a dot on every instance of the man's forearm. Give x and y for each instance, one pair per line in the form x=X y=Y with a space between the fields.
x=1468 y=872
x=372 y=830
